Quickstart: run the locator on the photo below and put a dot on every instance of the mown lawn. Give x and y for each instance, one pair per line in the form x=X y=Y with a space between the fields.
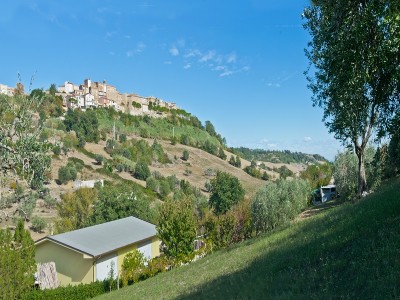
x=349 y=251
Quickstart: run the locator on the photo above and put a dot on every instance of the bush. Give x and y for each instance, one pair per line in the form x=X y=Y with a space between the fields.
x=278 y=203
x=164 y=188
x=99 y=159
x=219 y=230
x=49 y=201
x=67 y=173
x=122 y=138
x=76 y=292
x=38 y=223
x=142 y=171
x=57 y=150
x=185 y=155
x=152 y=184
x=133 y=266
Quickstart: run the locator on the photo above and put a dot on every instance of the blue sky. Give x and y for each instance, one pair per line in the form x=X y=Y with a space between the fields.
x=237 y=63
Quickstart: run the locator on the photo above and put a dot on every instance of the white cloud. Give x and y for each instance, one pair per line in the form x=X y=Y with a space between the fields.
x=231 y=58
x=140 y=46
x=274 y=84
x=174 y=51
x=208 y=56
x=307 y=139
x=187 y=66
x=193 y=53
x=226 y=73
x=219 y=68
x=181 y=43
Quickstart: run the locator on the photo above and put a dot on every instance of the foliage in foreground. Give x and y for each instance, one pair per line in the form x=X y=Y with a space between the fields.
x=76 y=292
x=17 y=263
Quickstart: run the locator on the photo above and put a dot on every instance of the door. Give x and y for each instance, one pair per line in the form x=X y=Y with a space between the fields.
x=145 y=248
x=104 y=265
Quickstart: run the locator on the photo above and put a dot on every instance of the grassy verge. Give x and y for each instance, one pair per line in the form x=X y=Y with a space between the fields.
x=348 y=251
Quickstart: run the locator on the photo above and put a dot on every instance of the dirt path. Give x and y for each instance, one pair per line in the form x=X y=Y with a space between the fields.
x=317 y=209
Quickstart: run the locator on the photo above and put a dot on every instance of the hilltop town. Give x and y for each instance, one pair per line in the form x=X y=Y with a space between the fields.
x=91 y=94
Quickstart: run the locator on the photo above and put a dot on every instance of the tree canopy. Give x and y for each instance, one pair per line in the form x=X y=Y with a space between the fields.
x=226 y=191
x=354 y=73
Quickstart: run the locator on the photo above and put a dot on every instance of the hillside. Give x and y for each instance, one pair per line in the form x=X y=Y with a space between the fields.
x=345 y=251
x=276 y=156
x=175 y=132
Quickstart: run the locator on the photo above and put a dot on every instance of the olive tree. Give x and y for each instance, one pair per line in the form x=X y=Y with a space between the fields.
x=21 y=151
x=354 y=69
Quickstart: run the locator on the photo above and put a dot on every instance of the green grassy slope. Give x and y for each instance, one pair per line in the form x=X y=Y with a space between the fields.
x=350 y=251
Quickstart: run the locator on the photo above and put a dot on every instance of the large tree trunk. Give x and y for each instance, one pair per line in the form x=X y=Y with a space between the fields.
x=362 y=180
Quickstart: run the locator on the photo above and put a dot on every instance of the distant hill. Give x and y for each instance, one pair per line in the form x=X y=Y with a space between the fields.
x=276 y=156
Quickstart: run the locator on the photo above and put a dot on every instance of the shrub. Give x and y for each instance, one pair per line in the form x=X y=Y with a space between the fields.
x=133 y=267
x=185 y=155
x=38 y=223
x=49 y=201
x=278 y=203
x=142 y=171
x=219 y=230
x=158 y=265
x=164 y=188
x=57 y=150
x=122 y=138
x=76 y=292
x=110 y=145
x=144 y=133
x=99 y=159
x=67 y=173
x=152 y=184
x=221 y=153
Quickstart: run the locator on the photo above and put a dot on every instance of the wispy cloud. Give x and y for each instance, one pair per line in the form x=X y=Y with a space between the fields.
x=274 y=84
x=207 y=56
x=223 y=64
x=174 y=51
x=168 y=62
x=307 y=139
x=109 y=35
x=140 y=47
x=231 y=58
x=280 y=80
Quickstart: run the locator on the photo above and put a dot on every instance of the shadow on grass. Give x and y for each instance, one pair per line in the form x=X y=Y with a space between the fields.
x=351 y=252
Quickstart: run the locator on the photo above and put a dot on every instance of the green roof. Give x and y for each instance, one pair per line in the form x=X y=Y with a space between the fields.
x=107 y=237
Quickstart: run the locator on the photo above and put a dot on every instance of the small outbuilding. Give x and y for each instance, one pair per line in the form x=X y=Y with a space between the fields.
x=87 y=255
x=324 y=193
